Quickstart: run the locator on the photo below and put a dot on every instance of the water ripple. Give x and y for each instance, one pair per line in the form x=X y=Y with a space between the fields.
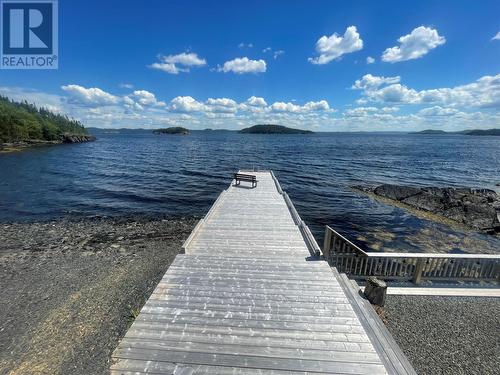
x=138 y=173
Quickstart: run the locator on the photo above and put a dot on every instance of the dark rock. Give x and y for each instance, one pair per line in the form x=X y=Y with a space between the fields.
x=77 y=138
x=424 y=201
x=396 y=192
x=476 y=208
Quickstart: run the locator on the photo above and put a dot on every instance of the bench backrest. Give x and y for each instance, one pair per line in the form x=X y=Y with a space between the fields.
x=245 y=176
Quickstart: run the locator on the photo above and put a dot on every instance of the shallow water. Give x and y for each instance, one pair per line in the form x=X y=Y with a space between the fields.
x=138 y=173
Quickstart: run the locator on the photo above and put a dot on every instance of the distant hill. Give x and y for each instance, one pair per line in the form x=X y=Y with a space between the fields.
x=465 y=132
x=273 y=129
x=24 y=122
x=430 y=131
x=483 y=132
x=172 y=130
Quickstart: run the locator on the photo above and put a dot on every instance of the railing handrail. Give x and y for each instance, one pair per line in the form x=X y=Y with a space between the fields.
x=295 y=215
x=276 y=182
x=415 y=267
x=414 y=255
x=310 y=238
x=346 y=240
x=432 y=255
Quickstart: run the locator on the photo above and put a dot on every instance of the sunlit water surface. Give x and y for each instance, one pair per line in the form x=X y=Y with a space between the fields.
x=129 y=173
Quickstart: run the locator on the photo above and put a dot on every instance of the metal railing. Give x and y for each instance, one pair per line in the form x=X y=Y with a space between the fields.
x=416 y=267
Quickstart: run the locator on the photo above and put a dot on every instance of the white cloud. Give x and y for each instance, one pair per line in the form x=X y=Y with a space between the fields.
x=131 y=105
x=470 y=105
x=182 y=62
x=146 y=98
x=414 y=45
x=485 y=92
x=437 y=111
x=370 y=60
x=256 y=101
x=278 y=53
x=186 y=104
x=395 y=93
x=368 y=111
x=496 y=37
x=334 y=46
x=369 y=81
x=126 y=86
x=243 y=65
x=186 y=59
x=285 y=107
x=89 y=96
x=275 y=53
x=222 y=105
x=167 y=68
x=321 y=105
x=245 y=45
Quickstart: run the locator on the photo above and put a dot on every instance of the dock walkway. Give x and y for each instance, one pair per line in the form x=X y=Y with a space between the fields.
x=247 y=297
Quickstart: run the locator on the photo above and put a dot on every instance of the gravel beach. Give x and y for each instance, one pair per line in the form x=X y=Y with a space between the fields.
x=70 y=289
x=447 y=335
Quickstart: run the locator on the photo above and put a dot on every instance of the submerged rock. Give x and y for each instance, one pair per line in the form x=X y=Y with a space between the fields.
x=475 y=208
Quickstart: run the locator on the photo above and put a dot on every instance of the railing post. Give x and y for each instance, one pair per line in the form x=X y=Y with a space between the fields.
x=327 y=244
x=418 y=270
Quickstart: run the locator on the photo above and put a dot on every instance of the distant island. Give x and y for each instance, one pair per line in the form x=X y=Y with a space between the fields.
x=483 y=132
x=172 y=130
x=273 y=129
x=431 y=131
x=465 y=132
x=23 y=125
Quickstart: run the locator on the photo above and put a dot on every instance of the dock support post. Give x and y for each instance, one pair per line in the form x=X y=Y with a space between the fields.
x=418 y=270
x=376 y=291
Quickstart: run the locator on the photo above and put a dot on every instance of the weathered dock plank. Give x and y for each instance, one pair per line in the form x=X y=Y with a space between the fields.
x=248 y=297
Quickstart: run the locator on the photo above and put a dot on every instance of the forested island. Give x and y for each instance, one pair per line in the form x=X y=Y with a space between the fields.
x=483 y=132
x=273 y=129
x=430 y=131
x=465 y=132
x=172 y=130
x=23 y=124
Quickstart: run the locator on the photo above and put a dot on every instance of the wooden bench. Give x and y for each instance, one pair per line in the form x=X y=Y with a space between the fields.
x=238 y=177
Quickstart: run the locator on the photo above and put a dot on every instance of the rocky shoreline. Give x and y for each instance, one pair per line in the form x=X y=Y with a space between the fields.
x=65 y=138
x=71 y=288
x=477 y=209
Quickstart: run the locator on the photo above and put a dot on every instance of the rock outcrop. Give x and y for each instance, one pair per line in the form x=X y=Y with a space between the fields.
x=476 y=208
x=77 y=138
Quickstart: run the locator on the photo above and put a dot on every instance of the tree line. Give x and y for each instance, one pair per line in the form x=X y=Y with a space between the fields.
x=22 y=121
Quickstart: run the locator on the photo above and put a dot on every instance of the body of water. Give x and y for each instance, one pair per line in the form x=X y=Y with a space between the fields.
x=127 y=173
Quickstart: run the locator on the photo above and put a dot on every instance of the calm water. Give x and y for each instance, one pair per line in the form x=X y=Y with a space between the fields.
x=138 y=173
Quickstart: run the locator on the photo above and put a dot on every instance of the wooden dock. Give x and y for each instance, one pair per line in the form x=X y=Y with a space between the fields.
x=249 y=296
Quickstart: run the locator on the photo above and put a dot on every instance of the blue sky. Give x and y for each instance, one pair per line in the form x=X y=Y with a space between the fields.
x=323 y=65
